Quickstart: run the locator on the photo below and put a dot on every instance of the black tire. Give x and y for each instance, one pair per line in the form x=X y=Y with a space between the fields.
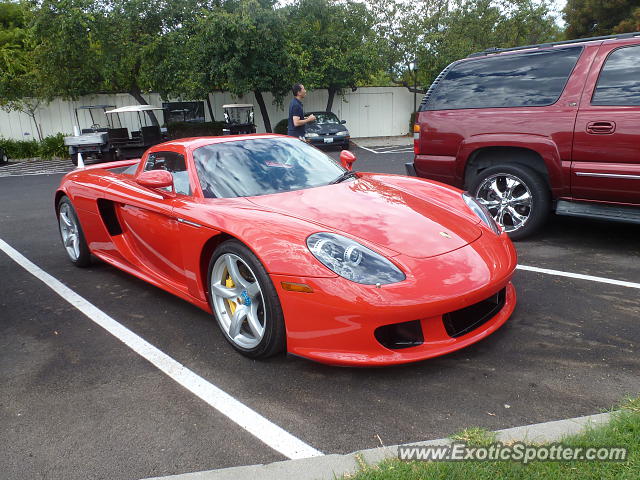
x=274 y=337
x=526 y=179
x=345 y=147
x=108 y=156
x=84 y=257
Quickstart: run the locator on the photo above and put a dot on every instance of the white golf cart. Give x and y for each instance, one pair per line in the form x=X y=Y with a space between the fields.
x=106 y=139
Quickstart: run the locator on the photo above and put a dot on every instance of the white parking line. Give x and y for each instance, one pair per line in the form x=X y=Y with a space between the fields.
x=365 y=148
x=579 y=276
x=388 y=149
x=254 y=423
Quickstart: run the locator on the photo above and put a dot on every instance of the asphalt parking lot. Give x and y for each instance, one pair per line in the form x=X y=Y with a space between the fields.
x=76 y=403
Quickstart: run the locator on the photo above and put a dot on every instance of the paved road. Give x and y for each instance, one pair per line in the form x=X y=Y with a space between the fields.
x=76 y=403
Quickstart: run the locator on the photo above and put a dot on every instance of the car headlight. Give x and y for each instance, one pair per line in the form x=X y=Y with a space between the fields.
x=343 y=133
x=482 y=212
x=352 y=260
x=311 y=135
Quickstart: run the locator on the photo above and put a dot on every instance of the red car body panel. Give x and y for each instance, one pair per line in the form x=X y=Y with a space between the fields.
x=558 y=133
x=451 y=260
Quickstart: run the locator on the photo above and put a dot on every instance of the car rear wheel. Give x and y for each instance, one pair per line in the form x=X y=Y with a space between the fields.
x=72 y=235
x=245 y=302
x=516 y=196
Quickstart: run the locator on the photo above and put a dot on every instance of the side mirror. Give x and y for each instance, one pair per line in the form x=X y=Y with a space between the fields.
x=343 y=122
x=346 y=159
x=155 y=179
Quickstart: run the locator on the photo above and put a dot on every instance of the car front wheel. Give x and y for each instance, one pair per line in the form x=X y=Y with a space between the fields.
x=245 y=302
x=72 y=235
x=516 y=196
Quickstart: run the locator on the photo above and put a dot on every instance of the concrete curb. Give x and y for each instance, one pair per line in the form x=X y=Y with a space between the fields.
x=328 y=467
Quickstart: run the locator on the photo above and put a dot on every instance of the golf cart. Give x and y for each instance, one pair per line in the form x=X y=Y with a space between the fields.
x=238 y=118
x=106 y=140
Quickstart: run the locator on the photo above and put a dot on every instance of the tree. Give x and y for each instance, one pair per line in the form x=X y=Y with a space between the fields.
x=22 y=88
x=336 y=41
x=439 y=32
x=588 y=18
x=244 y=46
x=88 y=46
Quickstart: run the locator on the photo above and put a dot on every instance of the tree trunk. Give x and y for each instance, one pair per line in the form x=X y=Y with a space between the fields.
x=332 y=94
x=213 y=119
x=32 y=114
x=263 y=110
x=137 y=94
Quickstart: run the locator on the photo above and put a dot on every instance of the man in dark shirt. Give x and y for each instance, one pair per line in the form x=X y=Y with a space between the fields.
x=297 y=122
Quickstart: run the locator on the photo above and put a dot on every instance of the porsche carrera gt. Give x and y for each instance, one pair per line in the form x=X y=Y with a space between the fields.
x=293 y=251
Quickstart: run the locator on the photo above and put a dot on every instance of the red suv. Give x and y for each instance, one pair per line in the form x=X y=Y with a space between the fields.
x=530 y=130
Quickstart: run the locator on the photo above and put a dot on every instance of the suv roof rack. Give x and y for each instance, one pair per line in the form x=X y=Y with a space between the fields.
x=489 y=51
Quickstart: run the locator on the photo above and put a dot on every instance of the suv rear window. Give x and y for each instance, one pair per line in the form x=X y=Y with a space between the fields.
x=619 y=82
x=516 y=80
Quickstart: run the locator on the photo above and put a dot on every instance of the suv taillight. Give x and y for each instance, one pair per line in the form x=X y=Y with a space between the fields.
x=416 y=138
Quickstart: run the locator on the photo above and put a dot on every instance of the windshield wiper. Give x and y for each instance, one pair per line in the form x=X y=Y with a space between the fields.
x=344 y=176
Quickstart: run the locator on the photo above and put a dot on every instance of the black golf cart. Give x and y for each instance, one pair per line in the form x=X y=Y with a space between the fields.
x=238 y=118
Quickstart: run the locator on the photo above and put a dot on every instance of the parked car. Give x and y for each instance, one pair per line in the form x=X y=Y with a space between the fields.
x=327 y=130
x=535 y=129
x=290 y=250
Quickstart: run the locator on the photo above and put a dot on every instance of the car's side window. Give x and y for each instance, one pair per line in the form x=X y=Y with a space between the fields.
x=173 y=163
x=534 y=78
x=619 y=82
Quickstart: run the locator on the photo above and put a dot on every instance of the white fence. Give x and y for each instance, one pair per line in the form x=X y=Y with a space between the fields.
x=369 y=111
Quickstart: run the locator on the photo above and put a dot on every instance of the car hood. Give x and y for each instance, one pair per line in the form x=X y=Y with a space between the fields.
x=380 y=214
x=325 y=128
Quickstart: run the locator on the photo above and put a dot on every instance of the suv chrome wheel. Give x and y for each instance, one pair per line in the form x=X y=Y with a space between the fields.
x=507 y=198
x=516 y=196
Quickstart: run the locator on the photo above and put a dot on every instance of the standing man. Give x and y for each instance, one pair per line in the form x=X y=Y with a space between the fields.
x=297 y=122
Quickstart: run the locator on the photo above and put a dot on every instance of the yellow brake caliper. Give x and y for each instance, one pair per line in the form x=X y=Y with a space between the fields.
x=232 y=304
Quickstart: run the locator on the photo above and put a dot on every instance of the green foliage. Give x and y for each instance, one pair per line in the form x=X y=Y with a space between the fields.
x=47 y=148
x=22 y=86
x=16 y=149
x=244 y=46
x=589 y=18
x=622 y=431
x=189 y=129
x=337 y=42
x=281 y=127
x=53 y=146
x=434 y=34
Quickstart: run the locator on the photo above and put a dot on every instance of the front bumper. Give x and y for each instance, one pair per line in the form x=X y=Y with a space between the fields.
x=329 y=140
x=337 y=323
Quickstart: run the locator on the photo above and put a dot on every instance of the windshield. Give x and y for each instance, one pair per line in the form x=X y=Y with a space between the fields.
x=326 y=117
x=247 y=168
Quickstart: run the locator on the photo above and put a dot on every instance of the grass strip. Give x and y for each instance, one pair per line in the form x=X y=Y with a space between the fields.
x=622 y=431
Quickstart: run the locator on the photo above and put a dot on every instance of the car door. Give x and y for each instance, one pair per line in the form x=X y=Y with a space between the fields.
x=150 y=233
x=606 y=151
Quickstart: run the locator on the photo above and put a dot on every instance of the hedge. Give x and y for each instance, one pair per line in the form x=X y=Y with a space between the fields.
x=49 y=147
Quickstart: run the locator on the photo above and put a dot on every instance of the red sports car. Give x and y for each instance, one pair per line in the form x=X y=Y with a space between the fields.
x=292 y=251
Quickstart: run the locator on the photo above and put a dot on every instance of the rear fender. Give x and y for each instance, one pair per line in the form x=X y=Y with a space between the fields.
x=544 y=147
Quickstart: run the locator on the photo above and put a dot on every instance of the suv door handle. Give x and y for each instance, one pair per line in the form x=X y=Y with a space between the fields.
x=601 y=127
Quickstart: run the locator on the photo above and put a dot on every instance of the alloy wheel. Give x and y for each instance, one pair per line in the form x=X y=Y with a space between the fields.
x=69 y=231
x=507 y=198
x=238 y=301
